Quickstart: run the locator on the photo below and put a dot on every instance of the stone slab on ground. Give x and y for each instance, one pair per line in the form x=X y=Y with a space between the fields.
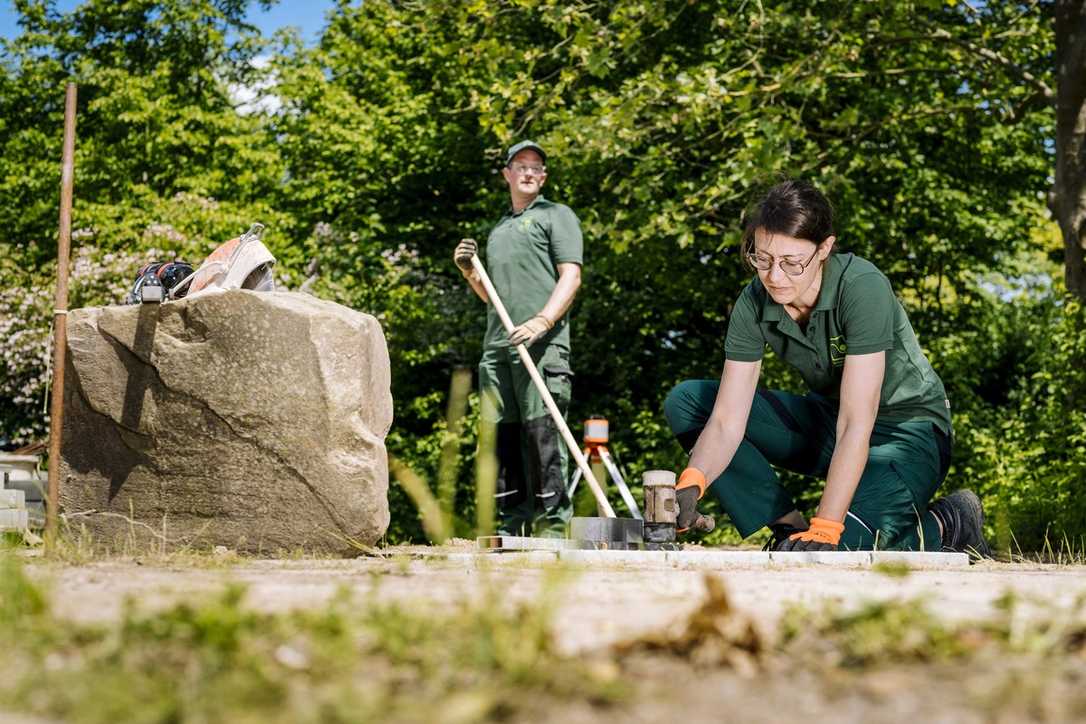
x=32 y=489
x=549 y=550
x=506 y=543
x=15 y=499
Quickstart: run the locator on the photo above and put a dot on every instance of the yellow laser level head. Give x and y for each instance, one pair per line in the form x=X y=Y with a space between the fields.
x=595 y=430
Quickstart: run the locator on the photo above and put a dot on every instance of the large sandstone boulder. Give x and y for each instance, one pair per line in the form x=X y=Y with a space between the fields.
x=250 y=420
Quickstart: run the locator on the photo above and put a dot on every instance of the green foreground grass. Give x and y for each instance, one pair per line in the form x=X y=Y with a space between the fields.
x=220 y=661
x=359 y=660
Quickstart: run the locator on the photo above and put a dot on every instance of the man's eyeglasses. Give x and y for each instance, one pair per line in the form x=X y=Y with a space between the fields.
x=520 y=168
x=764 y=262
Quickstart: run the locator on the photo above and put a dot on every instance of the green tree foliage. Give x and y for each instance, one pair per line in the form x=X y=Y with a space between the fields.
x=925 y=121
x=159 y=137
x=166 y=164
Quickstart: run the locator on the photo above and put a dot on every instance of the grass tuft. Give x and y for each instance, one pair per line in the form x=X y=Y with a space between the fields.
x=715 y=634
x=892 y=569
x=885 y=632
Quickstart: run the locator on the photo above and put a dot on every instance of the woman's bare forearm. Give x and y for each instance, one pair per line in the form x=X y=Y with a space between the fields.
x=715 y=448
x=846 y=467
x=723 y=433
x=861 y=384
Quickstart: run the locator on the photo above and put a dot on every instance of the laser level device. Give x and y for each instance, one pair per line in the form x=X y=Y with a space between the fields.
x=595 y=449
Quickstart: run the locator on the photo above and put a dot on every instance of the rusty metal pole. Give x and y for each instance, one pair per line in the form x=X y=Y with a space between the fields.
x=60 y=316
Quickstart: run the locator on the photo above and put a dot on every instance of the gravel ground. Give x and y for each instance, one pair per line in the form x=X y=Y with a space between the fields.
x=598 y=607
x=595 y=606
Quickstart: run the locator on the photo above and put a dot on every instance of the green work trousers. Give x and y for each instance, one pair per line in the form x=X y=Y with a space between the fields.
x=533 y=463
x=906 y=464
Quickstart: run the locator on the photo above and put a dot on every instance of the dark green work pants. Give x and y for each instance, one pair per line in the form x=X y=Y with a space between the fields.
x=905 y=466
x=533 y=461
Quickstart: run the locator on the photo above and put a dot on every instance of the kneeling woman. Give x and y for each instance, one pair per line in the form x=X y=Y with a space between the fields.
x=875 y=424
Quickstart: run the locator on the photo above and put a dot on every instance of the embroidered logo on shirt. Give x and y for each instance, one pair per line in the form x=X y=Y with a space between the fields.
x=837 y=350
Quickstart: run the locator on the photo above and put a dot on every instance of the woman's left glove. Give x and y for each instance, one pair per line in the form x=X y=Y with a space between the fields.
x=823 y=535
x=688 y=491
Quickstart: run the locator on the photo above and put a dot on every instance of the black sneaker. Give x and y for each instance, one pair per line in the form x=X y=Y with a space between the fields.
x=963 y=523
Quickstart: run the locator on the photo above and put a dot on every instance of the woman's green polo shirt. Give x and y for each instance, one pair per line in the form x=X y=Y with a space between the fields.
x=856 y=313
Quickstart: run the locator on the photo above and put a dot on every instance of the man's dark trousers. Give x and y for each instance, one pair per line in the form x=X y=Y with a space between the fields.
x=533 y=462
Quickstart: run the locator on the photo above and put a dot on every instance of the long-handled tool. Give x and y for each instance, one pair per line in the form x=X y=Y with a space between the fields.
x=540 y=385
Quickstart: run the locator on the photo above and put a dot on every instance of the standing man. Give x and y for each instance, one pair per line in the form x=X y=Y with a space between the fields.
x=533 y=257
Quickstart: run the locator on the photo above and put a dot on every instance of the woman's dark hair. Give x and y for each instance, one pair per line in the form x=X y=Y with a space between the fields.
x=791 y=208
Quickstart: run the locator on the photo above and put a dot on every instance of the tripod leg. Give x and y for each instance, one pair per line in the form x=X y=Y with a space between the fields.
x=573 y=482
x=624 y=491
x=575 y=479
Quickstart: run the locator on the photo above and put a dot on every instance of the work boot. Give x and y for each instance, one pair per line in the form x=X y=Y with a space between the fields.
x=963 y=523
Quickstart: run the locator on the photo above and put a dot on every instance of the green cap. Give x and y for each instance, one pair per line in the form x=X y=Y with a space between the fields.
x=524 y=146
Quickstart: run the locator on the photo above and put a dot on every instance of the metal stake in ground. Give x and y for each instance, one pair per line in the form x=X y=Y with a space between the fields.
x=556 y=415
x=60 y=315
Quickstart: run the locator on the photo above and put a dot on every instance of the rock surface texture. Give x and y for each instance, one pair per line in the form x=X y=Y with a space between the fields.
x=249 y=420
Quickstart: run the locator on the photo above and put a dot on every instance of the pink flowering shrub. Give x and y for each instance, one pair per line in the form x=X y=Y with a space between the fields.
x=26 y=317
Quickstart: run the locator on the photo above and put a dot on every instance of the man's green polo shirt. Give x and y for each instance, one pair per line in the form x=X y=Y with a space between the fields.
x=856 y=313
x=522 y=256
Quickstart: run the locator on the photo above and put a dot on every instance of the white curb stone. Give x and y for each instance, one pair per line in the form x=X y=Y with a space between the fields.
x=709 y=560
x=702 y=560
x=650 y=559
x=808 y=558
x=518 y=558
x=923 y=559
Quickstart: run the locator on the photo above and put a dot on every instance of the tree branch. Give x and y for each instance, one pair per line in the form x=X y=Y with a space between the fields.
x=989 y=55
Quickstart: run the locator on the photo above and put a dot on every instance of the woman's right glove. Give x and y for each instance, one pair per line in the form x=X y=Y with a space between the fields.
x=823 y=535
x=688 y=492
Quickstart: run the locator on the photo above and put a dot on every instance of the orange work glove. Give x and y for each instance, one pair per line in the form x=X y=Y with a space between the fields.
x=688 y=492
x=823 y=535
